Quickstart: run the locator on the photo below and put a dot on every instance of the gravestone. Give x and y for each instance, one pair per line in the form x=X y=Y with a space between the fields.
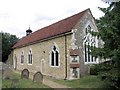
x=25 y=74
x=38 y=77
x=6 y=72
x=15 y=83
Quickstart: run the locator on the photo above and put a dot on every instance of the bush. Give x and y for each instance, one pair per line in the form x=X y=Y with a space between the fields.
x=108 y=73
x=93 y=70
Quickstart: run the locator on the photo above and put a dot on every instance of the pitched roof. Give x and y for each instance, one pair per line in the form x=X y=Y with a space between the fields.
x=60 y=27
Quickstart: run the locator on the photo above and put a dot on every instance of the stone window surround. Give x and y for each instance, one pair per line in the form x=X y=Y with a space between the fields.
x=22 y=57
x=72 y=74
x=30 y=53
x=57 y=49
x=88 y=61
x=84 y=42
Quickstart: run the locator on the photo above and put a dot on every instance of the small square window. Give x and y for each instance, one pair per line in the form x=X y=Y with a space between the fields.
x=74 y=58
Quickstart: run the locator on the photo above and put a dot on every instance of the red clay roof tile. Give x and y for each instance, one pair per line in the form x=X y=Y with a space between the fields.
x=57 y=28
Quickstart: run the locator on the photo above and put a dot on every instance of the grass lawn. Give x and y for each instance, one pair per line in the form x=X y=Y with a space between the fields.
x=0 y=80
x=21 y=83
x=90 y=81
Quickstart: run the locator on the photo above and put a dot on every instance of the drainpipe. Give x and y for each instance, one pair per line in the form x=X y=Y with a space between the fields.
x=65 y=58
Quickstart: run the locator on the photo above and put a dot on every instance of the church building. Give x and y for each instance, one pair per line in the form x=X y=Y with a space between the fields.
x=60 y=50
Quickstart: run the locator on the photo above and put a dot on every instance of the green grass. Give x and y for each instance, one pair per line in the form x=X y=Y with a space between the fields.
x=21 y=83
x=90 y=81
x=0 y=80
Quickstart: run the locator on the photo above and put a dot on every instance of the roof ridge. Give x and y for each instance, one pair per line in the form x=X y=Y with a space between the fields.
x=52 y=29
x=62 y=20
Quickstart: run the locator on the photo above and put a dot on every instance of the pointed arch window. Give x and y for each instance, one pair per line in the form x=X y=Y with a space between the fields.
x=30 y=57
x=89 y=40
x=22 y=57
x=54 y=56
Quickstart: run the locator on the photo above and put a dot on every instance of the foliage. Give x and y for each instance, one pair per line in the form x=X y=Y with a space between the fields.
x=109 y=32
x=0 y=47
x=108 y=73
x=8 y=41
x=94 y=70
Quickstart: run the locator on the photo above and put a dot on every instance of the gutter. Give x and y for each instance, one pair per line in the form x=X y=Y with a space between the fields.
x=42 y=40
x=65 y=58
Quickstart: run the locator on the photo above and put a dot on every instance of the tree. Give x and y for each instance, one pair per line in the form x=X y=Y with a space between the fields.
x=0 y=47
x=8 y=41
x=109 y=32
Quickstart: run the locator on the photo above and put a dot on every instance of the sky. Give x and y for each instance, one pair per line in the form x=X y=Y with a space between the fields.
x=17 y=15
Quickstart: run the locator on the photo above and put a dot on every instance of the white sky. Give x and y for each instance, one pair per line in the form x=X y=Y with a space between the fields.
x=17 y=15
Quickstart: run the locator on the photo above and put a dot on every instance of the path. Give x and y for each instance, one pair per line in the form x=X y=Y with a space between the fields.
x=53 y=84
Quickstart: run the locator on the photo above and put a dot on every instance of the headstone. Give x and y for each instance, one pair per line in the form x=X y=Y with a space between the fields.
x=15 y=83
x=25 y=74
x=6 y=72
x=38 y=77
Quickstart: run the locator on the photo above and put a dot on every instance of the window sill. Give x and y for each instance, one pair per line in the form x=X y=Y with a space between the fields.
x=90 y=62
x=55 y=66
x=29 y=64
